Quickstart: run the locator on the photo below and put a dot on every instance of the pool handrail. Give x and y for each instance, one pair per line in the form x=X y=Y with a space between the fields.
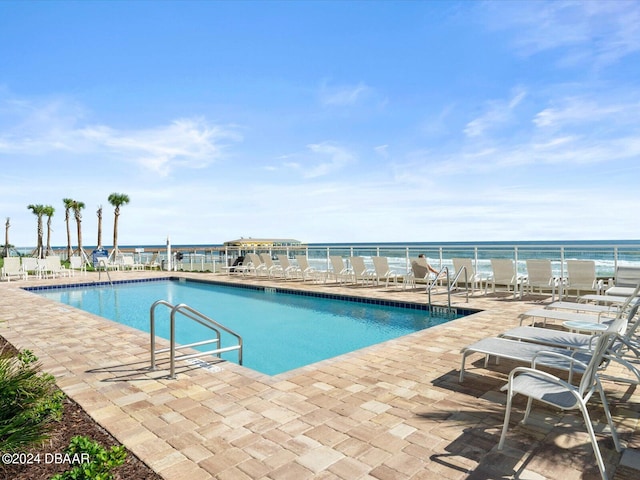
x=203 y=320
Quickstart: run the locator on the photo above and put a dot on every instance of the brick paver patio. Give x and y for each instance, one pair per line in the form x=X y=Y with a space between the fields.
x=391 y=411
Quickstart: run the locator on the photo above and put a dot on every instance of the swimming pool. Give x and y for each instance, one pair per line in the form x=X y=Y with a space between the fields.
x=281 y=329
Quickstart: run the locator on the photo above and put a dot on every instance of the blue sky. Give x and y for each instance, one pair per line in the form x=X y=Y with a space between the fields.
x=324 y=121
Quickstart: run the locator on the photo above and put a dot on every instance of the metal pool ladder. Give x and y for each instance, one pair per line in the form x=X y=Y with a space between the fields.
x=198 y=317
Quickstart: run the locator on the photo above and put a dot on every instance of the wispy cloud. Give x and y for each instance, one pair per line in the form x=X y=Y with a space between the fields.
x=319 y=160
x=58 y=126
x=582 y=110
x=598 y=33
x=343 y=95
x=498 y=113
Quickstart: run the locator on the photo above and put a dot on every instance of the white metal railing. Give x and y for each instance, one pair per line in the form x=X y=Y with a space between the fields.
x=198 y=317
x=607 y=255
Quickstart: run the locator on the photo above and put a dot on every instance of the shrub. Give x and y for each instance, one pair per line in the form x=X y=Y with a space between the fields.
x=29 y=401
x=95 y=462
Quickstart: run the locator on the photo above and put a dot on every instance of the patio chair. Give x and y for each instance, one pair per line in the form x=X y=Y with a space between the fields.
x=340 y=272
x=540 y=276
x=547 y=388
x=270 y=268
x=361 y=274
x=526 y=352
x=625 y=340
x=581 y=276
x=625 y=280
x=382 y=271
x=12 y=269
x=54 y=267
x=465 y=272
x=32 y=266
x=504 y=274
x=76 y=263
x=306 y=271
x=288 y=269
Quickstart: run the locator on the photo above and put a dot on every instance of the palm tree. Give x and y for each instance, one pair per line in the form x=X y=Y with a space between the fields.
x=99 y=214
x=117 y=199
x=38 y=210
x=5 y=252
x=49 y=211
x=68 y=206
x=77 y=213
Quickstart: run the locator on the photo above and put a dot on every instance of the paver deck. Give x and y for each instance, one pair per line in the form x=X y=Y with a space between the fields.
x=391 y=411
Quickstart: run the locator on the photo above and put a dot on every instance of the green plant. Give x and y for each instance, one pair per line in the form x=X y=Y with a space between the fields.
x=29 y=401
x=96 y=462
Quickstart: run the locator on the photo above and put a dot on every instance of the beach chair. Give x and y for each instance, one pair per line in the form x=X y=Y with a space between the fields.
x=339 y=273
x=547 y=388
x=271 y=269
x=54 y=267
x=624 y=282
x=306 y=271
x=76 y=263
x=466 y=275
x=12 y=269
x=32 y=266
x=625 y=341
x=289 y=270
x=531 y=353
x=382 y=271
x=361 y=274
x=128 y=263
x=540 y=276
x=504 y=274
x=581 y=276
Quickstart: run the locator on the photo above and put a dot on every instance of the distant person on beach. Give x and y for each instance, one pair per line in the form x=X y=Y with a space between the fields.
x=431 y=269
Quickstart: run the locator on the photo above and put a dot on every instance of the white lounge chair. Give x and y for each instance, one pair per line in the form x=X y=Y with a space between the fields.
x=105 y=264
x=526 y=352
x=361 y=274
x=625 y=280
x=626 y=341
x=581 y=277
x=272 y=269
x=307 y=272
x=12 y=269
x=581 y=312
x=382 y=271
x=340 y=272
x=465 y=272
x=76 y=263
x=547 y=388
x=54 y=267
x=504 y=274
x=288 y=269
x=540 y=276
x=128 y=263
x=32 y=266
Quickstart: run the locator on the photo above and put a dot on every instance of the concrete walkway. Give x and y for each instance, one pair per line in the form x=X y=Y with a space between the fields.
x=391 y=411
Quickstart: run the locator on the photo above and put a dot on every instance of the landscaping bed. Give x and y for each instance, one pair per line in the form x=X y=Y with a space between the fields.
x=46 y=460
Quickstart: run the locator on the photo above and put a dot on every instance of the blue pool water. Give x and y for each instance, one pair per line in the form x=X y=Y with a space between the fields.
x=281 y=331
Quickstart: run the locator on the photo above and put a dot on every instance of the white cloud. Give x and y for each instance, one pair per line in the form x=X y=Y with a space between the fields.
x=498 y=113
x=47 y=127
x=585 y=32
x=343 y=95
x=576 y=111
x=321 y=159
